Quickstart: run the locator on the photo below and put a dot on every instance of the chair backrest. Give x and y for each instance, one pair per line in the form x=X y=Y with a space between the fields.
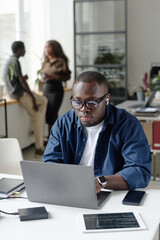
x=10 y=156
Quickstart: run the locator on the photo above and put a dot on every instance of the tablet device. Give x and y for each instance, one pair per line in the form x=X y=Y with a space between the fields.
x=105 y=222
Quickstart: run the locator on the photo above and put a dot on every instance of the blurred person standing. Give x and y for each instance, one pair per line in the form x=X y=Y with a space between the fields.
x=17 y=88
x=54 y=71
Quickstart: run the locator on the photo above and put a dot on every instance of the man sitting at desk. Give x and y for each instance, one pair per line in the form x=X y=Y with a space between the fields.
x=96 y=133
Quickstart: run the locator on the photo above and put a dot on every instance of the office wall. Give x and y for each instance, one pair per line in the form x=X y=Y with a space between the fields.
x=143 y=39
x=61 y=28
x=143 y=35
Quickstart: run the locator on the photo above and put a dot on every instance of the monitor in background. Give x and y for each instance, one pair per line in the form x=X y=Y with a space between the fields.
x=155 y=67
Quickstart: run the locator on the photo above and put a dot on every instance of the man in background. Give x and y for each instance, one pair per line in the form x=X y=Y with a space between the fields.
x=96 y=133
x=17 y=88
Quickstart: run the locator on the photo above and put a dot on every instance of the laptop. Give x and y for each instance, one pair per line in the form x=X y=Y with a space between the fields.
x=147 y=103
x=61 y=184
x=145 y=109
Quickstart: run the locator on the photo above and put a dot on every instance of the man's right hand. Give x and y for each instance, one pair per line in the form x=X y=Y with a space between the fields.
x=25 y=85
x=26 y=77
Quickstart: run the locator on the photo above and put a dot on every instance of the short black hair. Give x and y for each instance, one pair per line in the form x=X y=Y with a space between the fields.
x=90 y=76
x=16 y=46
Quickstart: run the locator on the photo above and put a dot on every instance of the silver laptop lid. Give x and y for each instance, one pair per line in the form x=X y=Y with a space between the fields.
x=60 y=184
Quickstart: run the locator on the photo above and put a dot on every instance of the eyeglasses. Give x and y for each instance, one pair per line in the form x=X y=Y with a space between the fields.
x=91 y=105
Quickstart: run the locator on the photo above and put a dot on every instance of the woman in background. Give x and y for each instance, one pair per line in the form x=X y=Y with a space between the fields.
x=54 y=71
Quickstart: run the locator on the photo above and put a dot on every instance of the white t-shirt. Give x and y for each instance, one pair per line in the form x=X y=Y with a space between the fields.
x=89 y=151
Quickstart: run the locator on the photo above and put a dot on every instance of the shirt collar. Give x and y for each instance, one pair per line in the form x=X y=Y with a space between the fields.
x=109 y=117
x=14 y=57
x=55 y=60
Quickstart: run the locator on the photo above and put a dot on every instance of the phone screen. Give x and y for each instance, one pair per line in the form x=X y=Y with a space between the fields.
x=133 y=197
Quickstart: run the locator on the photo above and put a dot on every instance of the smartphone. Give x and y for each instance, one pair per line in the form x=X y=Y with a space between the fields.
x=133 y=197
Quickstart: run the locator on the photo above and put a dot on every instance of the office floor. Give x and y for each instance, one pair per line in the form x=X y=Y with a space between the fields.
x=28 y=154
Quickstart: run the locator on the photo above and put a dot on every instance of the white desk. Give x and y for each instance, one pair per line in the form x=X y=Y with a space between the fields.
x=19 y=122
x=62 y=223
x=129 y=103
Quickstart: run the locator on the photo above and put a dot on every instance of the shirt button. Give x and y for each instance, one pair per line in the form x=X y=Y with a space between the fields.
x=84 y=139
x=79 y=153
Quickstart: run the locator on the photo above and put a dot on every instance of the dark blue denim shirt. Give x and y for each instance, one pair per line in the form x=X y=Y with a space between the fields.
x=122 y=146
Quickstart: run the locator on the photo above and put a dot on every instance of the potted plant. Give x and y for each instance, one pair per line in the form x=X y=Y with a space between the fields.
x=107 y=56
x=144 y=88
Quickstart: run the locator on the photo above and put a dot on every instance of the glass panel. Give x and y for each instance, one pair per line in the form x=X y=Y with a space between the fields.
x=115 y=77
x=19 y=20
x=106 y=16
x=7 y=36
x=100 y=49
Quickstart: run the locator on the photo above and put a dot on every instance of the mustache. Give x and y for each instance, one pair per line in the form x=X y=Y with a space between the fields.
x=84 y=114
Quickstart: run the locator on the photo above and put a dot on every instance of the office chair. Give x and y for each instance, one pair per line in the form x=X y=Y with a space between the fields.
x=10 y=156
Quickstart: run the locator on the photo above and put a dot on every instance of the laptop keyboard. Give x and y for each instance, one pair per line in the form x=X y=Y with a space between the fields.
x=101 y=197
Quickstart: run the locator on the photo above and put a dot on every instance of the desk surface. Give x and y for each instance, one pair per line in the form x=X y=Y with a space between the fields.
x=62 y=223
x=13 y=101
x=129 y=103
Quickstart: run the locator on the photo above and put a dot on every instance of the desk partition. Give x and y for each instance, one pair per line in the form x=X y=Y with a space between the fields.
x=5 y=117
x=147 y=124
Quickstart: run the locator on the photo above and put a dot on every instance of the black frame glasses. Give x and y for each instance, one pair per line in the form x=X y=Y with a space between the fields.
x=91 y=104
